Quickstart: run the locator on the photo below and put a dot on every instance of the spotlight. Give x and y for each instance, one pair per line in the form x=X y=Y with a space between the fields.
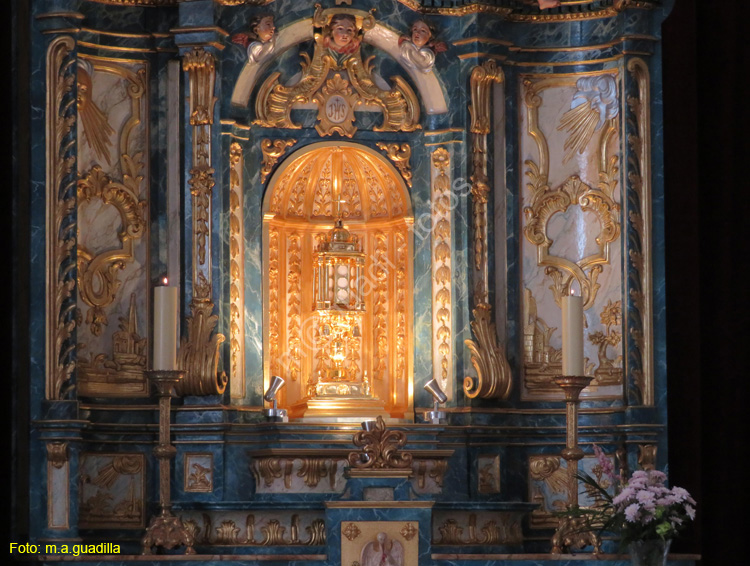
x=438 y=396
x=270 y=396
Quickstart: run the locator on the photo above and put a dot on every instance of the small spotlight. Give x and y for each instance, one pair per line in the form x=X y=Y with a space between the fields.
x=274 y=412
x=438 y=396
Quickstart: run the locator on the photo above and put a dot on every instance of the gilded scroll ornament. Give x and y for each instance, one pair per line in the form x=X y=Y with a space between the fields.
x=199 y=353
x=61 y=223
x=272 y=150
x=400 y=154
x=494 y=379
x=323 y=82
x=317 y=532
x=97 y=274
x=639 y=215
x=273 y=533
x=380 y=449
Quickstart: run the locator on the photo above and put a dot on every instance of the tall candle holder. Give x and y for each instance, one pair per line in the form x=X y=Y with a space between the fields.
x=570 y=531
x=165 y=530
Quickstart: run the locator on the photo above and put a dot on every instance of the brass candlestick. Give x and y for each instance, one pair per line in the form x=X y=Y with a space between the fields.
x=165 y=530
x=570 y=530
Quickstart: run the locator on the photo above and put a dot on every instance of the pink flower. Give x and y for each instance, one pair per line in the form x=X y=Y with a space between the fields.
x=631 y=513
x=690 y=511
x=606 y=464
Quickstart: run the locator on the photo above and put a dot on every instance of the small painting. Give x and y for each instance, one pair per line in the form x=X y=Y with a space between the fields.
x=379 y=543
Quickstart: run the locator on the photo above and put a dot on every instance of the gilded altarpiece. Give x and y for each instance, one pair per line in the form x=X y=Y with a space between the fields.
x=571 y=223
x=112 y=263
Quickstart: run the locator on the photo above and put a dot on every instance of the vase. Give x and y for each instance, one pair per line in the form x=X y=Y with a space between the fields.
x=649 y=552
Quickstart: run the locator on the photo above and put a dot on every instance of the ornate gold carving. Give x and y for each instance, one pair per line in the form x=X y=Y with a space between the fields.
x=647 y=456
x=541 y=360
x=611 y=316
x=482 y=77
x=123 y=375
x=201 y=67
x=488 y=357
x=227 y=533
x=381 y=449
x=236 y=273
x=442 y=275
x=494 y=379
x=546 y=202
x=351 y=531
x=57 y=454
x=639 y=215
x=380 y=305
x=335 y=96
x=199 y=351
x=60 y=222
x=547 y=470
x=401 y=312
x=451 y=532
x=273 y=299
x=408 y=531
x=317 y=532
x=294 y=300
x=273 y=533
x=272 y=150
x=97 y=275
x=400 y=154
x=436 y=473
x=313 y=469
x=111 y=490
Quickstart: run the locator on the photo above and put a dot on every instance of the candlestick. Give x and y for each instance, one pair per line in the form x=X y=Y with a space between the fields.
x=165 y=328
x=572 y=335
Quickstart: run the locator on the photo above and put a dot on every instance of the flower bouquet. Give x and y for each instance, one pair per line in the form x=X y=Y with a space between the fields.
x=643 y=511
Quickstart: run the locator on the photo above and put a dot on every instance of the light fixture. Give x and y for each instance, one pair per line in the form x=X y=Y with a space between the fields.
x=438 y=396
x=274 y=412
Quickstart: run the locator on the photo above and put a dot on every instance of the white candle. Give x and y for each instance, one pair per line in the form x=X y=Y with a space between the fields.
x=572 y=335
x=165 y=328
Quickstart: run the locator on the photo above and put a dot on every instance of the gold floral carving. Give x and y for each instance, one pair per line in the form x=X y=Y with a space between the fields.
x=272 y=150
x=442 y=276
x=273 y=299
x=608 y=373
x=451 y=532
x=351 y=531
x=639 y=215
x=380 y=306
x=227 y=533
x=199 y=351
x=493 y=379
x=380 y=449
x=273 y=533
x=401 y=311
x=317 y=532
x=97 y=275
x=400 y=154
x=237 y=273
x=294 y=304
x=335 y=96
x=61 y=227
x=408 y=531
x=545 y=202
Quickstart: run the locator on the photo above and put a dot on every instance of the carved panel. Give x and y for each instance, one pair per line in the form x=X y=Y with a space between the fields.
x=387 y=542
x=111 y=491
x=486 y=528
x=198 y=472
x=236 y=273
x=113 y=194
x=571 y=206
x=58 y=486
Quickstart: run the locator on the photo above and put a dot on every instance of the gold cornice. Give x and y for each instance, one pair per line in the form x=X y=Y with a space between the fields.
x=477 y=55
x=565 y=63
x=122 y=34
x=443 y=131
x=434 y=144
x=51 y=15
x=195 y=29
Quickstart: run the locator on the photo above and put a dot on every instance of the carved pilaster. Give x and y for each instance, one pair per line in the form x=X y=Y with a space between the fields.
x=199 y=351
x=487 y=356
x=61 y=218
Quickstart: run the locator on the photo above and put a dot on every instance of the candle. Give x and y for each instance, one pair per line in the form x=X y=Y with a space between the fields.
x=165 y=328
x=572 y=335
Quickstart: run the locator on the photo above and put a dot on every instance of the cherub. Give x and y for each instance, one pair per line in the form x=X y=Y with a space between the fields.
x=342 y=36
x=418 y=49
x=260 y=41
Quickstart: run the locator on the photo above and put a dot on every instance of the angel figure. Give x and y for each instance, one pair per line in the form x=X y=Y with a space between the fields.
x=342 y=37
x=260 y=41
x=382 y=552
x=418 y=49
